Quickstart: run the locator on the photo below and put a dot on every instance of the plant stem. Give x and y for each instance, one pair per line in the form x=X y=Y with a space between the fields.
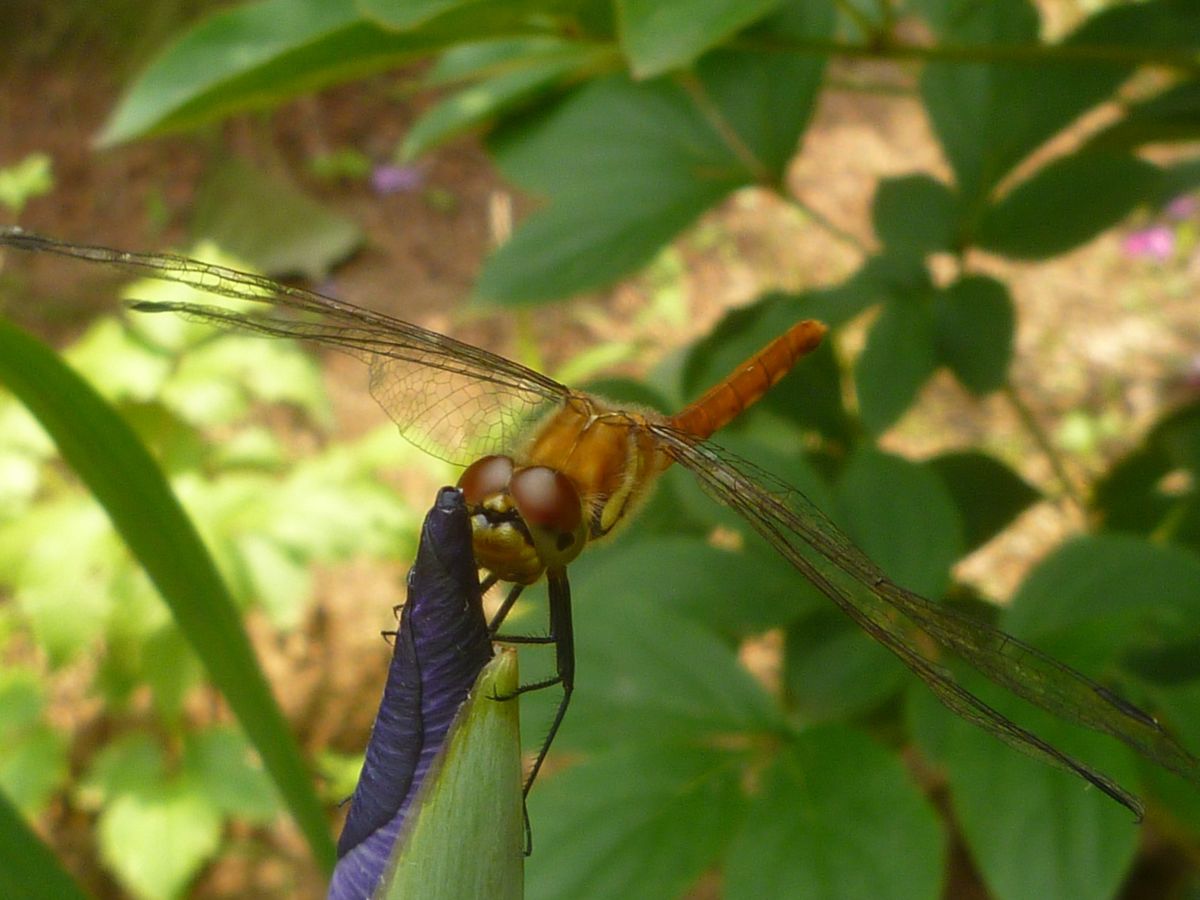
x=1044 y=444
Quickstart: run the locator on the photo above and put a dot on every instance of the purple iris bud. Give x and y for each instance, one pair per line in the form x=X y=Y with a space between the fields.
x=441 y=646
x=1156 y=242
x=392 y=179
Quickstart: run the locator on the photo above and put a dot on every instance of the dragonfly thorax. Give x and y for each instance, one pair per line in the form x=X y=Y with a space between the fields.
x=524 y=519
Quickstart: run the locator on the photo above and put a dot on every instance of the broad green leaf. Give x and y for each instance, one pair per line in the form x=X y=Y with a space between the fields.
x=405 y=14
x=627 y=166
x=1034 y=830
x=466 y=838
x=1173 y=115
x=33 y=766
x=646 y=672
x=1105 y=594
x=898 y=359
x=915 y=214
x=639 y=822
x=1067 y=203
x=902 y=516
x=990 y=116
x=660 y=35
x=271 y=224
x=156 y=838
x=517 y=81
x=124 y=478
x=974 y=322
x=833 y=670
x=987 y=493
x=31 y=871
x=261 y=53
x=836 y=816
x=229 y=773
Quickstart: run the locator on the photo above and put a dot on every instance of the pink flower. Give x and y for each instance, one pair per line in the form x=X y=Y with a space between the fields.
x=1156 y=242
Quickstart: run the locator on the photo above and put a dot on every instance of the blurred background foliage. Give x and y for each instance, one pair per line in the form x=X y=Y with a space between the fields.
x=731 y=735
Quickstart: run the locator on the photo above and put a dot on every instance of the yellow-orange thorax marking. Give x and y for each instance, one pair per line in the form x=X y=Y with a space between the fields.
x=607 y=454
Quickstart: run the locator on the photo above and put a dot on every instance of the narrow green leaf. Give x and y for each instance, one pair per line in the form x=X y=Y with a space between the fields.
x=915 y=214
x=30 y=871
x=974 y=323
x=660 y=35
x=1067 y=203
x=837 y=816
x=641 y=823
x=987 y=493
x=899 y=357
x=466 y=839
x=404 y=14
x=125 y=479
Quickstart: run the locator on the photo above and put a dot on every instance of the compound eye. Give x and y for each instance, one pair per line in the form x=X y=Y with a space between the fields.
x=484 y=478
x=547 y=499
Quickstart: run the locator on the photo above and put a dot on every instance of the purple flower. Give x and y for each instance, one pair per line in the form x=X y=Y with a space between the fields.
x=392 y=179
x=441 y=646
x=1156 y=242
x=1182 y=207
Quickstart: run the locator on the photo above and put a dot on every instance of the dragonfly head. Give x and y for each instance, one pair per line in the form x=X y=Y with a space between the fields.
x=523 y=518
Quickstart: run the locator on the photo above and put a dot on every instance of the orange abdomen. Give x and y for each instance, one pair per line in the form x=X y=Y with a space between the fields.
x=727 y=399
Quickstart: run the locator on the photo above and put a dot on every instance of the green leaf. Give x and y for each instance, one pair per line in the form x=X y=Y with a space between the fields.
x=902 y=516
x=1155 y=489
x=536 y=67
x=832 y=670
x=467 y=835
x=915 y=214
x=974 y=322
x=899 y=357
x=1106 y=594
x=990 y=116
x=660 y=35
x=33 y=767
x=226 y=769
x=100 y=447
x=627 y=166
x=405 y=14
x=271 y=224
x=31 y=871
x=1034 y=830
x=651 y=672
x=987 y=493
x=157 y=838
x=260 y=54
x=1172 y=115
x=1067 y=203
x=824 y=801
x=639 y=822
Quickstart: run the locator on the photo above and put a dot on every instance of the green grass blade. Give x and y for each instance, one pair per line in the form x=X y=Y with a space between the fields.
x=30 y=869
x=108 y=457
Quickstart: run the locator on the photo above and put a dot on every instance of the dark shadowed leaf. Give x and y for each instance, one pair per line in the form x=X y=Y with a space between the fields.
x=915 y=214
x=974 y=321
x=899 y=357
x=31 y=870
x=987 y=493
x=660 y=35
x=1067 y=203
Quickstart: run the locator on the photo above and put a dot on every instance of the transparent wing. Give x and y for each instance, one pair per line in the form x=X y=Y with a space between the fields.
x=453 y=400
x=899 y=619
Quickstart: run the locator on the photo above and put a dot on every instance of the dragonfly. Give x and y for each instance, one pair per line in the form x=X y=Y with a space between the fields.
x=549 y=469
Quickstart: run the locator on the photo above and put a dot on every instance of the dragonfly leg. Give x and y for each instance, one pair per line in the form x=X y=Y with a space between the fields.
x=505 y=607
